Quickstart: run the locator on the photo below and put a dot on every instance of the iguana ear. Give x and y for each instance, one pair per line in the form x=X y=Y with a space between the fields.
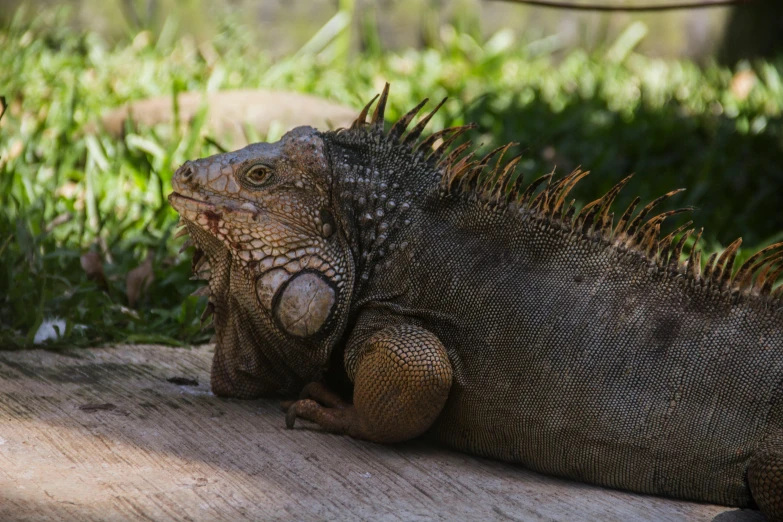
x=301 y=303
x=304 y=304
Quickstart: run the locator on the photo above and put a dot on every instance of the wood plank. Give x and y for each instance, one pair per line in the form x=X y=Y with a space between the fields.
x=101 y=434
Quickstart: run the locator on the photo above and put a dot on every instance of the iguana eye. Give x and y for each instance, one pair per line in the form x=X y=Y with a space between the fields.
x=258 y=175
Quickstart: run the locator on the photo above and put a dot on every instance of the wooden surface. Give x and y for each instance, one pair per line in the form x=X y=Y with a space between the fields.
x=102 y=434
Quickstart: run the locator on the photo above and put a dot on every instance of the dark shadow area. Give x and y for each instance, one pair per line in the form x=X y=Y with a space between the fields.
x=734 y=180
x=740 y=515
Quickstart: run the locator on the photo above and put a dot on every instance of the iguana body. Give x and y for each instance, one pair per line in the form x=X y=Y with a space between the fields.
x=487 y=314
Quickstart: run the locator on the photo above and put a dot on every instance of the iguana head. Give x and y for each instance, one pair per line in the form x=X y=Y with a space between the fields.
x=288 y=232
x=281 y=271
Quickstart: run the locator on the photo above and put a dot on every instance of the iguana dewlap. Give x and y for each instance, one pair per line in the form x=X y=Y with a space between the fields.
x=488 y=313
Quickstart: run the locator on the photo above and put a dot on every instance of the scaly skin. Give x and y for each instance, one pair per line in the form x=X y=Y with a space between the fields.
x=488 y=315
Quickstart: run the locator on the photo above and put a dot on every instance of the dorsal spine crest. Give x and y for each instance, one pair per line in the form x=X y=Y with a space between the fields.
x=501 y=187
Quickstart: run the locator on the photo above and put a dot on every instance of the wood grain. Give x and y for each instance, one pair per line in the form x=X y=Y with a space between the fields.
x=101 y=434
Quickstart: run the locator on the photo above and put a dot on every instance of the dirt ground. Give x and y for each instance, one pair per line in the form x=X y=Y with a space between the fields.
x=133 y=433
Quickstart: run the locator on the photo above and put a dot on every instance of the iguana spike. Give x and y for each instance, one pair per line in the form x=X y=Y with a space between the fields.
x=523 y=198
x=201 y=267
x=496 y=170
x=600 y=207
x=745 y=279
x=709 y=267
x=208 y=323
x=658 y=220
x=416 y=131
x=540 y=201
x=777 y=293
x=181 y=232
x=361 y=120
x=694 y=259
x=745 y=272
x=197 y=255
x=488 y=182
x=649 y=244
x=570 y=182
x=202 y=263
x=725 y=264
x=626 y=217
x=696 y=268
x=380 y=109
x=202 y=291
x=609 y=198
x=507 y=176
x=769 y=281
x=399 y=127
x=468 y=177
x=668 y=241
x=634 y=224
x=447 y=136
x=762 y=280
x=606 y=225
x=674 y=258
x=568 y=213
x=461 y=170
x=187 y=244
x=585 y=217
x=666 y=244
x=553 y=190
x=436 y=155
x=208 y=311
x=452 y=166
x=467 y=169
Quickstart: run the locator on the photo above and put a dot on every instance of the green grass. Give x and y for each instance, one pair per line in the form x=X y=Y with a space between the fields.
x=65 y=192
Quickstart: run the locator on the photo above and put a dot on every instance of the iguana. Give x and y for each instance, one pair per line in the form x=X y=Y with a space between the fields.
x=491 y=315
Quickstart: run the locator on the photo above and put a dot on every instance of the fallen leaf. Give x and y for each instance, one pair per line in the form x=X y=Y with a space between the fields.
x=93 y=267
x=138 y=280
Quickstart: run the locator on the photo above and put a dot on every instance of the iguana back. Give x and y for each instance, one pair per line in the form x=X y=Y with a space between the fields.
x=581 y=360
x=489 y=314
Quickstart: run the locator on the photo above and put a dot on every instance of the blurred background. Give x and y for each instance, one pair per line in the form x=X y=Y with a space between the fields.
x=104 y=99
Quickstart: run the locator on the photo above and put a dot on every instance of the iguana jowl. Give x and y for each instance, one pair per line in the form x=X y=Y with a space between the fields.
x=489 y=314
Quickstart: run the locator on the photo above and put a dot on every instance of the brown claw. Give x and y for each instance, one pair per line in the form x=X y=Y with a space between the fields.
x=290 y=416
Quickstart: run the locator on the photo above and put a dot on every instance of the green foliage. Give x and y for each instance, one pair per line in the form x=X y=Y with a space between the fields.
x=65 y=191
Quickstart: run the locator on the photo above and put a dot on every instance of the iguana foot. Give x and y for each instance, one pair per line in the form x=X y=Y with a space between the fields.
x=402 y=378
x=319 y=404
x=343 y=420
x=765 y=477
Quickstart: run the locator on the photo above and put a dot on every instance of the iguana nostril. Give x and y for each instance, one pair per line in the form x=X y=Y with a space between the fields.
x=185 y=172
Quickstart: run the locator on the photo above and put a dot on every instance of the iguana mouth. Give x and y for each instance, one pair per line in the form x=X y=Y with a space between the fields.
x=181 y=203
x=178 y=201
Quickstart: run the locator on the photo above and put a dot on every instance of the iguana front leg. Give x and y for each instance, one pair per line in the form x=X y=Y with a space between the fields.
x=765 y=476
x=402 y=376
